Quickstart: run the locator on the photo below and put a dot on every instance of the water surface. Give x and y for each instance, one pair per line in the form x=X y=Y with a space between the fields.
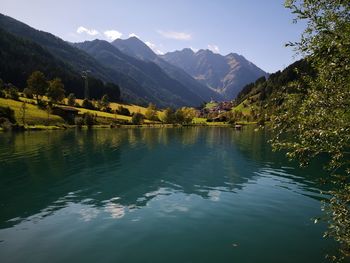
x=155 y=195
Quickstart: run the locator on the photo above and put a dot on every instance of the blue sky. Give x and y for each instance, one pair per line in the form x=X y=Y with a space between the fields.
x=256 y=29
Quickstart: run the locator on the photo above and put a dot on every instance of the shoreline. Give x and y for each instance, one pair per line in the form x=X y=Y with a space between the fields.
x=118 y=126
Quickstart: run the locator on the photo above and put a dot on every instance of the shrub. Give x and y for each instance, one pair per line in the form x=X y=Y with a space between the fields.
x=88 y=104
x=28 y=93
x=137 y=118
x=5 y=124
x=7 y=113
x=79 y=122
x=168 y=116
x=151 y=113
x=89 y=119
x=41 y=104
x=12 y=93
x=123 y=111
x=71 y=99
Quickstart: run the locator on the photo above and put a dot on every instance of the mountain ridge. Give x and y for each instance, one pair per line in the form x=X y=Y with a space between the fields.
x=225 y=74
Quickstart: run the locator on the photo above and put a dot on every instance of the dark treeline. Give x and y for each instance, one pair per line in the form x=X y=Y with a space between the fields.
x=21 y=57
x=276 y=82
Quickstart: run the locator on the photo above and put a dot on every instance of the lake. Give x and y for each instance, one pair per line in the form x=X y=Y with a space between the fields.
x=156 y=195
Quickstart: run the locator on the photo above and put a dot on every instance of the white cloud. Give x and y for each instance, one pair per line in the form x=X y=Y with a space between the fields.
x=194 y=49
x=154 y=47
x=175 y=35
x=91 y=32
x=214 y=48
x=133 y=35
x=112 y=34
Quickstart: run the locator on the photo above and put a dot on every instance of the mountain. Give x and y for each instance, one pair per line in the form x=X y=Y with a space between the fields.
x=276 y=86
x=140 y=82
x=73 y=58
x=20 y=57
x=134 y=47
x=155 y=85
x=226 y=75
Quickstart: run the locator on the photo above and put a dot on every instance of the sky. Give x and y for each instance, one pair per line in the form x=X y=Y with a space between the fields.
x=256 y=29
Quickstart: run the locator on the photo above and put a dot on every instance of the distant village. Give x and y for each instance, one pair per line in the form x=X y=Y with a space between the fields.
x=217 y=108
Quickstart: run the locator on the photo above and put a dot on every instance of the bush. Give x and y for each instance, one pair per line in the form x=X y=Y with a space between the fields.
x=2 y=94
x=88 y=104
x=137 y=118
x=5 y=124
x=71 y=99
x=7 y=113
x=89 y=119
x=168 y=116
x=28 y=93
x=151 y=113
x=13 y=93
x=123 y=111
x=41 y=104
x=79 y=122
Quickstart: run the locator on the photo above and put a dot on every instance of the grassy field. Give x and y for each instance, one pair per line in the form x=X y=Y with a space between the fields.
x=33 y=114
x=36 y=116
x=114 y=105
x=246 y=110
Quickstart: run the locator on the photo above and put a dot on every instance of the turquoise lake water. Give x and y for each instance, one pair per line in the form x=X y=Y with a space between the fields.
x=156 y=195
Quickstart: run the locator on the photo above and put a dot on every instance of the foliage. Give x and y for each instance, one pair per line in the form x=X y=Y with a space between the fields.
x=137 y=118
x=185 y=115
x=151 y=112
x=123 y=111
x=89 y=119
x=168 y=116
x=71 y=99
x=104 y=103
x=8 y=113
x=88 y=104
x=28 y=93
x=79 y=121
x=317 y=113
x=37 y=83
x=23 y=111
x=31 y=52
x=12 y=92
x=55 y=91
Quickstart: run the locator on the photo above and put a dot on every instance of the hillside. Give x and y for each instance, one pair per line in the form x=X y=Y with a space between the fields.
x=134 y=47
x=226 y=75
x=139 y=82
x=20 y=57
x=155 y=85
x=264 y=89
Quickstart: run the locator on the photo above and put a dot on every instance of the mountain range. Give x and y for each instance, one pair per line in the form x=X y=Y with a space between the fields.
x=181 y=78
x=226 y=75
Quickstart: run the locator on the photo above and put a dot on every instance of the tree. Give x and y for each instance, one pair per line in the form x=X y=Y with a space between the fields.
x=168 y=116
x=123 y=111
x=151 y=112
x=88 y=104
x=71 y=99
x=189 y=114
x=13 y=92
x=23 y=111
x=104 y=102
x=28 y=93
x=55 y=91
x=89 y=119
x=137 y=118
x=37 y=83
x=317 y=114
